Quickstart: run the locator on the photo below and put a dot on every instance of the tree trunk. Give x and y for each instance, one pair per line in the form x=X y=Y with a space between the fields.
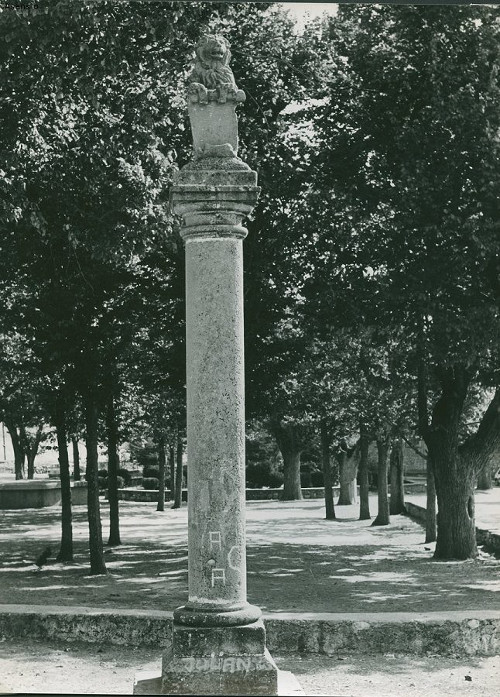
x=455 y=474
x=66 y=549
x=485 y=479
x=113 y=466
x=288 y=443
x=383 y=517
x=327 y=471
x=364 y=487
x=430 y=507
x=76 y=460
x=32 y=451
x=487 y=472
x=178 y=473
x=456 y=529
x=397 y=503
x=347 y=474
x=19 y=456
x=292 y=489
x=19 y=464
x=162 y=466
x=171 y=460
x=97 y=565
x=31 y=465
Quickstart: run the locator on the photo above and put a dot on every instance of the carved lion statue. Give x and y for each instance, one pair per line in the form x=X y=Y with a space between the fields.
x=211 y=69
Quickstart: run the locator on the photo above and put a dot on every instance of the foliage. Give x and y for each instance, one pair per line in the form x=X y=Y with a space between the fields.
x=150 y=483
x=149 y=471
x=125 y=475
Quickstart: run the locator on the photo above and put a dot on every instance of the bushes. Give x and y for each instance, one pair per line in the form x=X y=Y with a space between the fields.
x=259 y=474
x=305 y=479
x=146 y=455
x=102 y=477
x=317 y=478
x=125 y=475
x=150 y=483
x=150 y=471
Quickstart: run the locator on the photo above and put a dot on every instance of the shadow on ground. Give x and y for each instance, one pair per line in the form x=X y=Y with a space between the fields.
x=297 y=561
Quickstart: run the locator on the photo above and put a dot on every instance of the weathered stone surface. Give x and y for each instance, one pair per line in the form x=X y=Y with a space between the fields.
x=150 y=683
x=212 y=95
x=218 y=640
x=215 y=130
x=226 y=674
x=444 y=633
x=147 y=682
x=205 y=641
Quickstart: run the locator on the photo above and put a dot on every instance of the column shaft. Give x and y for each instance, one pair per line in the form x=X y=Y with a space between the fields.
x=215 y=423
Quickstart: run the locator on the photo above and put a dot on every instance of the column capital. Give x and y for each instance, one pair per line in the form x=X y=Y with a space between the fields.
x=213 y=202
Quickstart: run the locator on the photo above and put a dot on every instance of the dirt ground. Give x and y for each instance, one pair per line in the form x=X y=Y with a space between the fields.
x=297 y=561
x=28 y=667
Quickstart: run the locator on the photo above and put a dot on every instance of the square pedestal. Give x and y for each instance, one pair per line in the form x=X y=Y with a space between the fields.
x=148 y=682
x=215 y=661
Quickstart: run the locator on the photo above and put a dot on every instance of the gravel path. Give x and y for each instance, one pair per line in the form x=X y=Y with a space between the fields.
x=32 y=667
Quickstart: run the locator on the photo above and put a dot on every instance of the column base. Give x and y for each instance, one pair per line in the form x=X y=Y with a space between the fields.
x=216 y=661
x=214 y=616
x=148 y=682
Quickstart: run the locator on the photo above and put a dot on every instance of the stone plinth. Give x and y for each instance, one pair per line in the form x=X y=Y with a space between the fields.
x=148 y=682
x=219 y=660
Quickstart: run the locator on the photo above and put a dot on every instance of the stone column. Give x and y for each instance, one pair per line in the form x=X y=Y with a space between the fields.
x=218 y=643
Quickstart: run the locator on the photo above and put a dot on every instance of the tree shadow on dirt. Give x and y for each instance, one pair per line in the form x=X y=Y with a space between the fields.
x=291 y=578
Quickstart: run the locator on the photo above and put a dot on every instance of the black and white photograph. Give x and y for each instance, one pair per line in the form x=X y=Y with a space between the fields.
x=249 y=348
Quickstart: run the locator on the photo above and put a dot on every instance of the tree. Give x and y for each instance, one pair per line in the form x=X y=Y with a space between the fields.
x=113 y=462
x=410 y=86
x=364 y=490
x=88 y=153
x=59 y=419
x=162 y=464
x=326 y=442
x=430 y=505
x=179 y=450
x=348 y=467
x=396 y=469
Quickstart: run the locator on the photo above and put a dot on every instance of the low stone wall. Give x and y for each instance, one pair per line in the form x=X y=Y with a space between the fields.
x=147 y=495
x=490 y=540
x=416 y=512
x=136 y=494
x=38 y=493
x=415 y=488
x=443 y=634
